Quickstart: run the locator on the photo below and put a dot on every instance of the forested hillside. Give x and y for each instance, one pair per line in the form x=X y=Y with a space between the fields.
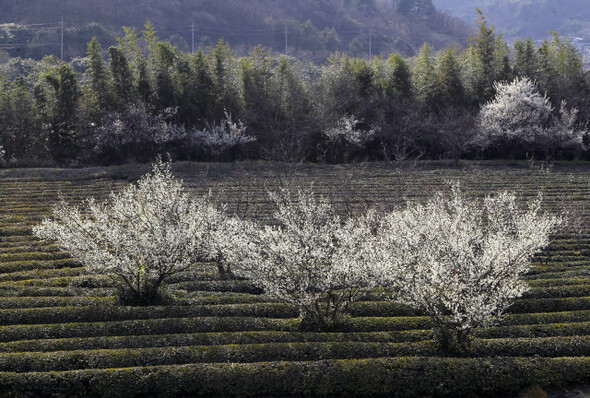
x=522 y=18
x=309 y=28
x=147 y=97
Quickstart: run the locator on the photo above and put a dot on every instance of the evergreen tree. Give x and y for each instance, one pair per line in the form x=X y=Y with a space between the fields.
x=144 y=85
x=162 y=60
x=450 y=86
x=150 y=36
x=525 y=59
x=124 y=91
x=184 y=90
x=398 y=82
x=5 y=111
x=296 y=104
x=367 y=90
x=227 y=96
x=204 y=88
x=502 y=68
x=482 y=69
x=424 y=79
x=571 y=81
x=100 y=83
x=23 y=138
x=336 y=91
x=260 y=98
x=546 y=73
x=59 y=102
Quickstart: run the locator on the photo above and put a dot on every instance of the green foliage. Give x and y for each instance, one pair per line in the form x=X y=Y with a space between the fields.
x=397 y=83
x=424 y=79
x=100 y=96
x=64 y=334
x=450 y=85
x=481 y=75
x=163 y=58
x=260 y=96
x=525 y=59
x=56 y=96
x=123 y=87
x=285 y=104
x=438 y=377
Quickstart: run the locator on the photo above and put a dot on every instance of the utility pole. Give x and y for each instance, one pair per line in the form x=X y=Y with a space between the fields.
x=286 y=40
x=193 y=31
x=62 y=38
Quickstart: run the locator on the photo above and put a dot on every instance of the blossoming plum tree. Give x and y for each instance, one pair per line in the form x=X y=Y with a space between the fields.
x=461 y=260
x=140 y=236
x=520 y=116
x=217 y=138
x=309 y=258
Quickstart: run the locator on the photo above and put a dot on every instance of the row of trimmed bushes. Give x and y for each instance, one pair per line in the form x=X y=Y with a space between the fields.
x=37 y=291
x=525 y=325
x=572 y=346
x=562 y=346
x=559 y=291
x=534 y=331
x=381 y=377
x=48 y=282
x=581 y=279
x=546 y=317
x=210 y=338
x=555 y=273
x=29 y=247
x=46 y=302
x=521 y=306
x=32 y=265
x=194 y=325
x=24 y=316
x=41 y=273
x=219 y=298
x=242 y=286
x=233 y=353
x=30 y=310
x=143 y=327
x=39 y=256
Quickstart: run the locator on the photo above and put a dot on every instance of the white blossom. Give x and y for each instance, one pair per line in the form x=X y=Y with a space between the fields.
x=140 y=235
x=137 y=128
x=218 y=138
x=519 y=114
x=309 y=258
x=346 y=130
x=461 y=260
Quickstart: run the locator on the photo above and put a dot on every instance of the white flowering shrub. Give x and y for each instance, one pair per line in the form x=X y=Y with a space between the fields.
x=563 y=133
x=230 y=236
x=217 y=138
x=137 y=132
x=520 y=115
x=460 y=260
x=139 y=236
x=346 y=131
x=310 y=258
x=516 y=108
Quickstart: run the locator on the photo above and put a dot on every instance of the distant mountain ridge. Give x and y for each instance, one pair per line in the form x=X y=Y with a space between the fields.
x=524 y=18
x=315 y=27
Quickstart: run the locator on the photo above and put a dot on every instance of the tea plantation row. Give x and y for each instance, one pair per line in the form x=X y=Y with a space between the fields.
x=63 y=334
